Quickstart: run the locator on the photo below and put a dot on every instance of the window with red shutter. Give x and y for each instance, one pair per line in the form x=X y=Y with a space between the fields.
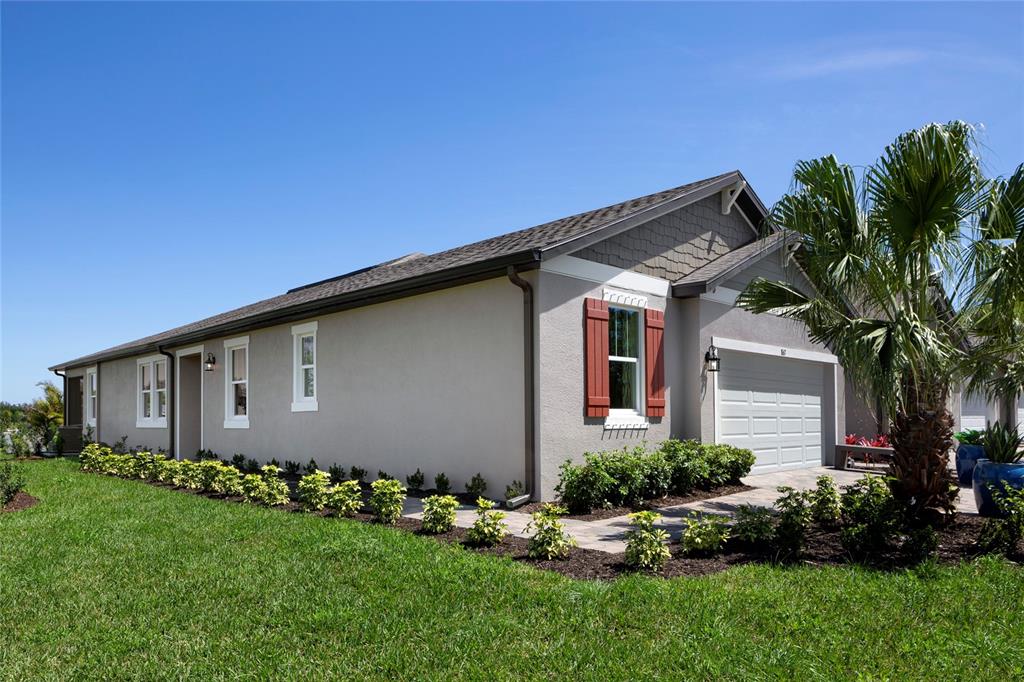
x=596 y=357
x=654 y=336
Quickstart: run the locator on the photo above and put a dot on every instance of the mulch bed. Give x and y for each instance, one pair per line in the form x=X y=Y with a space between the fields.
x=660 y=503
x=822 y=548
x=22 y=500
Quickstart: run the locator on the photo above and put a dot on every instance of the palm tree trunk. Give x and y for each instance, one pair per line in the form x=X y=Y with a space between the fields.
x=922 y=437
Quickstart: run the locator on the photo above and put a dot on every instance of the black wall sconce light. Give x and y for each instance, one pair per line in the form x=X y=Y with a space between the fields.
x=210 y=362
x=711 y=359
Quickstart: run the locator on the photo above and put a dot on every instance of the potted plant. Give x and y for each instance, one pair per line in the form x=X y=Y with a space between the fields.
x=1000 y=468
x=968 y=452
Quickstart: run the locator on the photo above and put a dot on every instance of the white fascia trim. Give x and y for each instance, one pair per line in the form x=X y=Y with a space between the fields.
x=623 y=423
x=305 y=406
x=237 y=341
x=723 y=295
x=236 y=423
x=580 y=268
x=305 y=328
x=625 y=298
x=776 y=351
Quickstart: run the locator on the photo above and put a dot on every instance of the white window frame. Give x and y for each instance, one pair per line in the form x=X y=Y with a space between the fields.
x=152 y=421
x=620 y=418
x=300 y=402
x=92 y=395
x=231 y=420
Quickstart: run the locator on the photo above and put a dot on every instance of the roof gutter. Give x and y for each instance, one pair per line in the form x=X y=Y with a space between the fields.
x=529 y=420
x=475 y=272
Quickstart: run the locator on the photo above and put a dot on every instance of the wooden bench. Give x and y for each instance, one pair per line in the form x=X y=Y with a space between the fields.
x=861 y=453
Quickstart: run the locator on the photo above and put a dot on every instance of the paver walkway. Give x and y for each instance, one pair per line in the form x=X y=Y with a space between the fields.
x=608 y=535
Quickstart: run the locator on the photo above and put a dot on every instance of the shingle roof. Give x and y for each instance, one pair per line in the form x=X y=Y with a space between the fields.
x=706 y=276
x=522 y=246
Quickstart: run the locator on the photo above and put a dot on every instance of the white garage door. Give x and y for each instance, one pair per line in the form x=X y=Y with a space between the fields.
x=773 y=407
x=973 y=412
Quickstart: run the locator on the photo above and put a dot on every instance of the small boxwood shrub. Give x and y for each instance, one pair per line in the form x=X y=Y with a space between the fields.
x=416 y=480
x=753 y=526
x=824 y=500
x=384 y=476
x=439 y=513
x=228 y=481
x=704 y=534
x=337 y=473
x=311 y=467
x=870 y=517
x=477 y=485
x=291 y=468
x=254 y=489
x=276 y=489
x=386 y=500
x=549 y=539
x=442 y=484
x=345 y=499
x=254 y=466
x=238 y=459
x=312 y=491
x=646 y=548
x=357 y=474
x=489 y=529
x=12 y=481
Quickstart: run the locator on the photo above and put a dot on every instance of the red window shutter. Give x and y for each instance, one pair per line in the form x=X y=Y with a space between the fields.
x=595 y=352
x=654 y=336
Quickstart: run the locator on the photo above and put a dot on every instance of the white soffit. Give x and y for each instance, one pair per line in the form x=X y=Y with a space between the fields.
x=579 y=268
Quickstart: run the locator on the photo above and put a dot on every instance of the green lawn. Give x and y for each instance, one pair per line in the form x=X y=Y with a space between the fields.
x=111 y=578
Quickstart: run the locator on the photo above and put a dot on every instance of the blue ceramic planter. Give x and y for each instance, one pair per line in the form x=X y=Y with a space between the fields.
x=988 y=473
x=966 y=457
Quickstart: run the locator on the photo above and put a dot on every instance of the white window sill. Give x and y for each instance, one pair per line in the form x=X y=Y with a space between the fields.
x=306 y=406
x=622 y=423
x=149 y=423
x=92 y=423
x=236 y=423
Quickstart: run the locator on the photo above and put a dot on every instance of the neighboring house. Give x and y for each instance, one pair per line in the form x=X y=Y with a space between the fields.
x=504 y=357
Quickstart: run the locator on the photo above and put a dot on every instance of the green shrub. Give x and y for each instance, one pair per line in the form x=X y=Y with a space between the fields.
x=704 y=534
x=12 y=481
x=357 y=474
x=188 y=475
x=277 y=489
x=254 y=466
x=488 y=529
x=753 y=526
x=254 y=489
x=549 y=539
x=311 y=467
x=207 y=454
x=824 y=499
x=727 y=464
x=582 y=487
x=291 y=468
x=207 y=472
x=384 y=476
x=345 y=499
x=238 y=459
x=386 y=500
x=870 y=517
x=969 y=437
x=514 y=490
x=656 y=470
x=337 y=473
x=442 y=484
x=312 y=491
x=166 y=470
x=477 y=485
x=439 y=513
x=645 y=545
x=228 y=481
x=1003 y=535
x=794 y=517
x=416 y=480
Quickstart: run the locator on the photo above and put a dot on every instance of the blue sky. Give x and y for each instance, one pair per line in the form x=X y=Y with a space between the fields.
x=165 y=162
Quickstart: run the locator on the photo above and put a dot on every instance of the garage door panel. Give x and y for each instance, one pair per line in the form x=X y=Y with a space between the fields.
x=772 y=406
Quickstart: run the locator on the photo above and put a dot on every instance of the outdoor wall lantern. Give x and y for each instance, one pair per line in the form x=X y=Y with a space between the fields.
x=711 y=358
x=210 y=362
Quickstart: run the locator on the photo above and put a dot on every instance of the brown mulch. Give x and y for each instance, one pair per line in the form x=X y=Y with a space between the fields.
x=660 y=503
x=22 y=500
x=822 y=547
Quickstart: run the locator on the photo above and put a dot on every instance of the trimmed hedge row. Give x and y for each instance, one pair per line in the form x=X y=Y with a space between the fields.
x=630 y=476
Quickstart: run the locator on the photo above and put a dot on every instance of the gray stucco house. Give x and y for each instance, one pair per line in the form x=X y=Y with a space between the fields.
x=503 y=357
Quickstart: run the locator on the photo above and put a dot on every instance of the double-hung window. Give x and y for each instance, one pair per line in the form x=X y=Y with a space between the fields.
x=91 y=397
x=304 y=396
x=624 y=362
x=151 y=406
x=236 y=383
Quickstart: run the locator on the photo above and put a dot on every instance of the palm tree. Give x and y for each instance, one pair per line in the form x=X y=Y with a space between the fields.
x=878 y=250
x=47 y=413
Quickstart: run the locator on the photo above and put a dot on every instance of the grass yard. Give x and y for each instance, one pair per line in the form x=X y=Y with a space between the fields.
x=119 y=579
